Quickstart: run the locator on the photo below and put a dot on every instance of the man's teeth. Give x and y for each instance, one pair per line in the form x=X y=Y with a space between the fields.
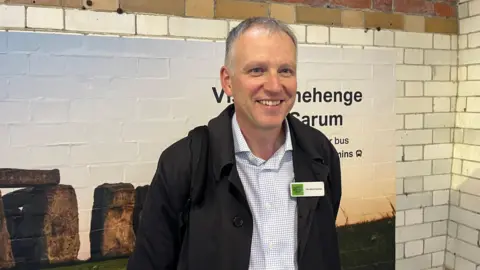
x=270 y=102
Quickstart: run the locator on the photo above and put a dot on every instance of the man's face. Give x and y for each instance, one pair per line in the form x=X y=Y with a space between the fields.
x=264 y=81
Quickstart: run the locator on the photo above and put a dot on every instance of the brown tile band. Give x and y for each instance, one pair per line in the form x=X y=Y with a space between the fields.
x=406 y=15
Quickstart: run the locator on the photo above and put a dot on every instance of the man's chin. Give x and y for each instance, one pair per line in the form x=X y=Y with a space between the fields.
x=270 y=123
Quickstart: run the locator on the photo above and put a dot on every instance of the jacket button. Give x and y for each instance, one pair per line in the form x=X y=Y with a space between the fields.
x=237 y=222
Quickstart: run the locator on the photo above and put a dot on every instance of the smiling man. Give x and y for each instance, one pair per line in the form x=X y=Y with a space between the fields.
x=265 y=192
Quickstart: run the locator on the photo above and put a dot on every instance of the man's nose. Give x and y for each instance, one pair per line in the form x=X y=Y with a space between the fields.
x=273 y=82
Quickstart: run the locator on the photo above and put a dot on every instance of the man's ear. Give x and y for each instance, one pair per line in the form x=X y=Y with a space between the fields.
x=226 y=80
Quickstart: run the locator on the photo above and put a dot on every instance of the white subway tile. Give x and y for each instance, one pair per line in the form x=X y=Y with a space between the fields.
x=413 y=153
x=441 y=41
x=438 y=151
x=413 y=216
x=437 y=243
x=12 y=16
x=413 y=121
x=414 y=232
x=469 y=25
x=468 y=120
x=300 y=32
x=440 y=57
x=196 y=27
x=414 y=168
x=413 y=73
x=467 y=234
x=413 y=89
x=383 y=38
x=440 y=227
x=440 y=89
x=99 y=22
x=474 y=40
x=469 y=56
x=413 y=248
x=414 y=137
x=442 y=73
x=42 y=17
x=474 y=8
x=317 y=34
x=417 y=262
x=441 y=104
x=439 y=120
x=438 y=259
x=413 y=56
x=155 y=25
x=414 y=105
x=349 y=36
x=473 y=72
x=413 y=40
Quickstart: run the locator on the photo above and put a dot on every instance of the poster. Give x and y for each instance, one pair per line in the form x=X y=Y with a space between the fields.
x=83 y=120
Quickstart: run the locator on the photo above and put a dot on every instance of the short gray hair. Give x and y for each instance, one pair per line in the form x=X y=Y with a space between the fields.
x=270 y=24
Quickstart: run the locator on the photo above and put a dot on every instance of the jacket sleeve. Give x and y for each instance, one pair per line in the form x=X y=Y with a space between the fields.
x=335 y=180
x=157 y=243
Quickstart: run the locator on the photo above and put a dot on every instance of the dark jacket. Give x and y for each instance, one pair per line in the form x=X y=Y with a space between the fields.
x=221 y=226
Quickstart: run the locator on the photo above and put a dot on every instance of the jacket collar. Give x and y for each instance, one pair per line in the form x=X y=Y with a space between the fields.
x=304 y=139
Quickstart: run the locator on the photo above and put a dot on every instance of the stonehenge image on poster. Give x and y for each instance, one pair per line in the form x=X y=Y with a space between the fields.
x=40 y=226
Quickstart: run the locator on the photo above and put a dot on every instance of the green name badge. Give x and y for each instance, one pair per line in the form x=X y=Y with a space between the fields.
x=307 y=189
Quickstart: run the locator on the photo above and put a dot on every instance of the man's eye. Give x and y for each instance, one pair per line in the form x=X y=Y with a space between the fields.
x=287 y=70
x=255 y=70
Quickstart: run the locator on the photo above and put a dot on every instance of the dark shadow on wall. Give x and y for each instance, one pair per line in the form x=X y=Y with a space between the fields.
x=41 y=228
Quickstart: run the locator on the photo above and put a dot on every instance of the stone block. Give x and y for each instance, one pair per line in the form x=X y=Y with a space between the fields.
x=43 y=224
x=14 y=178
x=112 y=232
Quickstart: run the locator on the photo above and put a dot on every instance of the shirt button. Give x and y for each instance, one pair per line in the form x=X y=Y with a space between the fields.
x=237 y=222
x=268 y=205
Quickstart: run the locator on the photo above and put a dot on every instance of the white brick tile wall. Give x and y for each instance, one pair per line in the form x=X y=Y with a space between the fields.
x=426 y=77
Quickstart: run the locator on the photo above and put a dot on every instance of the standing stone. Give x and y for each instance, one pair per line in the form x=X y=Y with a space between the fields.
x=6 y=255
x=44 y=224
x=19 y=178
x=112 y=232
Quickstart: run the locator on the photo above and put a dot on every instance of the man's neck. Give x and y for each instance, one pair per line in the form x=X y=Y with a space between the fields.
x=262 y=143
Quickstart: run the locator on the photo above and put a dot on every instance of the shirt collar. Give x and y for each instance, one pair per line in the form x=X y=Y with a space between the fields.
x=240 y=144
